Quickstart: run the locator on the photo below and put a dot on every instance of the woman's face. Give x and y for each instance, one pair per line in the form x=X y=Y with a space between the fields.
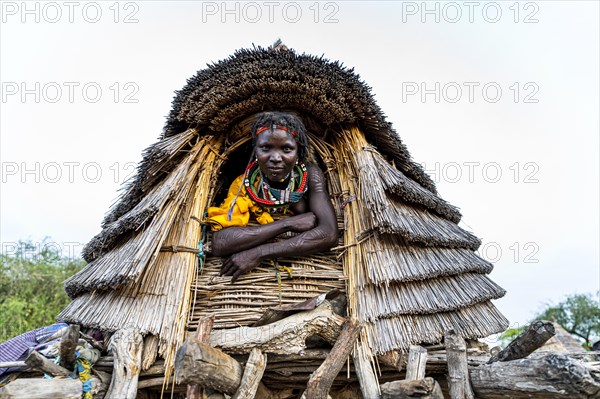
x=277 y=153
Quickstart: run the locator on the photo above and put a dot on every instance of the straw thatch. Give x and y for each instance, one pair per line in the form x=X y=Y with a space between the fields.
x=409 y=271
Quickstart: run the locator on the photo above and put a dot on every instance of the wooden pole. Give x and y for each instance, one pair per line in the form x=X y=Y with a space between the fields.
x=12 y=364
x=37 y=361
x=458 y=372
x=369 y=385
x=321 y=379
x=253 y=372
x=205 y=325
x=417 y=360
x=127 y=346
x=68 y=343
x=529 y=340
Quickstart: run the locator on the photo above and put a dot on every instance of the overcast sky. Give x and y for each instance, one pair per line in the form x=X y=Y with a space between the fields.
x=498 y=100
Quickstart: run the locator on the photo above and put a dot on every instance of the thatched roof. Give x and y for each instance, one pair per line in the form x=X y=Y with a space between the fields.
x=252 y=80
x=411 y=272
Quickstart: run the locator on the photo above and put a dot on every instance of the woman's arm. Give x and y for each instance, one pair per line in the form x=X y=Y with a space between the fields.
x=318 y=239
x=235 y=239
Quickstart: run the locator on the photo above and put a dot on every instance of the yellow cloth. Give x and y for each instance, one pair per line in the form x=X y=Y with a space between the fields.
x=218 y=216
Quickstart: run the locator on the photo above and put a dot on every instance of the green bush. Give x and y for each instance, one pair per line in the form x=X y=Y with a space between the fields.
x=31 y=286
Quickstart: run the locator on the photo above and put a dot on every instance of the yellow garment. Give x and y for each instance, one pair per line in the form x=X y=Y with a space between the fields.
x=218 y=216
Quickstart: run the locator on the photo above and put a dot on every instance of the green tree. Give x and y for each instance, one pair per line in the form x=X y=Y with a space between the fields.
x=579 y=314
x=509 y=335
x=31 y=285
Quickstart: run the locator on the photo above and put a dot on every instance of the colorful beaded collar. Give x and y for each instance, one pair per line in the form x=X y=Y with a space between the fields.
x=259 y=190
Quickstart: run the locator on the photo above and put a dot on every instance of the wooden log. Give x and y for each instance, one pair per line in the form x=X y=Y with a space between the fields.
x=43 y=388
x=37 y=361
x=551 y=376
x=205 y=326
x=426 y=388
x=369 y=385
x=529 y=340
x=199 y=363
x=285 y=336
x=458 y=372
x=68 y=343
x=253 y=372
x=417 y=360
x=321 y=380
x=126 y=345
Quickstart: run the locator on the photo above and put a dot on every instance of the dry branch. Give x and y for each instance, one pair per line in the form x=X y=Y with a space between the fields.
x=35 y=360
x=253 y=372
x=12 y=364
x=321 y=380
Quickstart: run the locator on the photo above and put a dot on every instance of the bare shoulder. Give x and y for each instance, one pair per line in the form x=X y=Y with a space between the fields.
x=316 y=179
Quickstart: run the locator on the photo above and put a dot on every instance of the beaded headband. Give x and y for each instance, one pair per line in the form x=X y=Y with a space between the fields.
x=273 y=127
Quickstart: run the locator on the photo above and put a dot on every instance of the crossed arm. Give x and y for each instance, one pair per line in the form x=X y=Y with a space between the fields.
x=246 y=247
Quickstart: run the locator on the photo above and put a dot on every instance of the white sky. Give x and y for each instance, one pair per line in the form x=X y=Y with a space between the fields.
x=524 y=171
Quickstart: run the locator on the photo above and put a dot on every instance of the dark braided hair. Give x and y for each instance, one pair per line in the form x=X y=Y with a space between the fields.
x=290 y=121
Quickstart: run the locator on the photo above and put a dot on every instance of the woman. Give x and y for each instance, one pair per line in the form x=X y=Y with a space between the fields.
x=277 y=180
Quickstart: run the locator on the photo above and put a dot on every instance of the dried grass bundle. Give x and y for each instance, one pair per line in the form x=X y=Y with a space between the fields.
x=158 y=297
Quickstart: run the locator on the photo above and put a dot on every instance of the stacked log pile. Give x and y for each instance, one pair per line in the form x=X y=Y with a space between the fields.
x=272 y=361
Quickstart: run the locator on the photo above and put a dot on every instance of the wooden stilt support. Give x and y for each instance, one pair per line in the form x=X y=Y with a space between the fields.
x=126 y=345
x=417 y=360
x=205 y=326
x=321 y=380
x=253 y=372
x=458 y=372
x=365 y=373
x=68 y=343
x=416 y=385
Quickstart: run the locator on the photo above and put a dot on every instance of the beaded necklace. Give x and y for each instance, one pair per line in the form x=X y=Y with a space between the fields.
x=261 y=192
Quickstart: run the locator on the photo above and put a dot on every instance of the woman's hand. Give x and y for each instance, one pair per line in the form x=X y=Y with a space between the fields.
x=240 y=263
